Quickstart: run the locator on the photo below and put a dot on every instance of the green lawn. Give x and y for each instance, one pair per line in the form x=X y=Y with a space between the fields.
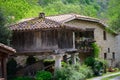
x=106 y=74
x=108 y=78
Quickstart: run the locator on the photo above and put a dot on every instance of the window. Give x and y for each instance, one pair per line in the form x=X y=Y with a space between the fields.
x=113 y=55
x=105 y=55
x=108 y=50
x=104 y=35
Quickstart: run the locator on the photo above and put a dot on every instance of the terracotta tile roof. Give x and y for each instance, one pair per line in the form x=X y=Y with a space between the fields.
x=51 y=22
x=5 y=47
x=34 y=24
x=68 y=17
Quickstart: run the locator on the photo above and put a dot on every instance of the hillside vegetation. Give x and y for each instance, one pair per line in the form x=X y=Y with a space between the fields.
x=14 y=10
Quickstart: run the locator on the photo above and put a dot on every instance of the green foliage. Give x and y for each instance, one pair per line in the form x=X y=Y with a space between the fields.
x=43 y=75
x=48 y=62
x=113 y=14
x=73 y=72
x=97 y=65
x=18 y=9
x=96 y=50
x=11 y=68
x=89 y=61
x=22 y=78
x=104 y=9
x=64 y=64
x=5 y=33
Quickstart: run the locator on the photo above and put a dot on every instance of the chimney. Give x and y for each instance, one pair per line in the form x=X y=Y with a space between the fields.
x=42 y=15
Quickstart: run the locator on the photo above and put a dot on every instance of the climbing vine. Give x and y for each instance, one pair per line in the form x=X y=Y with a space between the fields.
x=96 y=50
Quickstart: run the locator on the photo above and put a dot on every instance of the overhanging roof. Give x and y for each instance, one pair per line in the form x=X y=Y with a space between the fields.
x=6 y=49
x=52 y=22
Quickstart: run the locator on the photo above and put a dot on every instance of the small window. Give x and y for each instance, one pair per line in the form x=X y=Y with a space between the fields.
x=104 y=35
x=105 y=55
x=108 y=50
x=113 y=55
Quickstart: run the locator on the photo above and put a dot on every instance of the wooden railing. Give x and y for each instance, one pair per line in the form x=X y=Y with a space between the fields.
x=85 y=45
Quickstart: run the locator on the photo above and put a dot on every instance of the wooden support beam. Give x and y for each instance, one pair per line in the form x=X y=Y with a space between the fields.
x=3 y=67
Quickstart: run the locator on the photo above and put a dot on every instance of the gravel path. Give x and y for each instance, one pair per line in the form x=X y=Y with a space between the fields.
x=116 y=78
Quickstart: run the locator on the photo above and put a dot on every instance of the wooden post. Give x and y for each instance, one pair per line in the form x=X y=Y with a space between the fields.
x=58 y=59
x=73 y=58
x=3 y=66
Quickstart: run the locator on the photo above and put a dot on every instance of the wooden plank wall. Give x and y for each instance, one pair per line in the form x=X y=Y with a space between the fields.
x=40 y=40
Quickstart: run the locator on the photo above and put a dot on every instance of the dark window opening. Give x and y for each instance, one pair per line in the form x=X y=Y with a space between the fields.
x=104 y=35
x=89 y=33
x=113 y=55
x=108 y=50
x=105 y=55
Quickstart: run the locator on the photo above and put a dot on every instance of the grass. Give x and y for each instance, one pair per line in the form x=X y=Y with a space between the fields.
x=108 y=78
x=104 y=75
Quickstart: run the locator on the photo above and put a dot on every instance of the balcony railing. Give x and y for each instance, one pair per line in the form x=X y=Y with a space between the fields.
x=84 y=45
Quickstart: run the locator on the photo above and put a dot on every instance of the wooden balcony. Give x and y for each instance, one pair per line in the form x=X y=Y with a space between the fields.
x=85 y=45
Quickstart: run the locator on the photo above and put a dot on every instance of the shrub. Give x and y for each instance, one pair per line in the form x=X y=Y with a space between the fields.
x=48 y=62
x=97 y=65
x=64 y=64
x=73 y=72
x=11 y=68
x=89 y=61
x=96 y=50
x=23 y=78
x=84 y=69
x=43 y=75
x=30 y=60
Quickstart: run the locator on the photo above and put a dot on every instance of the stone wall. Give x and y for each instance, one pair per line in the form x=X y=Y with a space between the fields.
x=118 y=50
x=110 y=42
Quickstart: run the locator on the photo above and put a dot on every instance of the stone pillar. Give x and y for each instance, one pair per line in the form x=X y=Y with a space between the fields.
x=73 y=58
x=58 y=59
x=73 y=40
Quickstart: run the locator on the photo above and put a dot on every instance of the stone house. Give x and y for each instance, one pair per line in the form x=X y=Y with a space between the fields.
x=106 y=40
x=118 y=50
x=4 y=52
x=60 y=35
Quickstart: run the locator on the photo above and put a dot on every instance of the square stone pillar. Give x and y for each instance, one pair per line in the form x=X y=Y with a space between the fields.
x=58 y=59
x=73 y=58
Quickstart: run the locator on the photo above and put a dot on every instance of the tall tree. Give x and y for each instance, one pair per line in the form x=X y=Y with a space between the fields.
x=5 y=33
x=114 y=14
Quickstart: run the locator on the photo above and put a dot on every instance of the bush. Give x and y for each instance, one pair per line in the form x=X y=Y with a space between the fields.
x=43 y=75
x=11 y=68
x=73 y=72
x=48 y=62
x=30 y=60
x=96 y=50
x=23 y=78
x=89 y=61
x=97 y=65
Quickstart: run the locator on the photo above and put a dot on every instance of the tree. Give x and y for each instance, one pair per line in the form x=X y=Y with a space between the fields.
x=5 y=33
x=114 y=14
